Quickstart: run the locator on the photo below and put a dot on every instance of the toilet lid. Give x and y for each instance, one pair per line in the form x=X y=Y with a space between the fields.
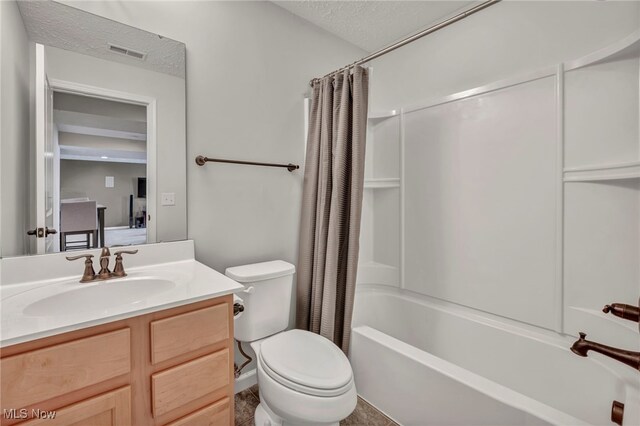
x=307 y=362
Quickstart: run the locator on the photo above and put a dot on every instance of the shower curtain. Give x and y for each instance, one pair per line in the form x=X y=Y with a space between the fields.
x=332 y=205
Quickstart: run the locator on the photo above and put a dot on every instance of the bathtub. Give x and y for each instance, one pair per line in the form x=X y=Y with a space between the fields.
x=426 y=362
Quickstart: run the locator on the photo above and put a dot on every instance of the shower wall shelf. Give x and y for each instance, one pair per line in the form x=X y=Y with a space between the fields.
x=376 y=116
x=371 y=272
x=381 y=183
x=629 y=170
x=628 y=47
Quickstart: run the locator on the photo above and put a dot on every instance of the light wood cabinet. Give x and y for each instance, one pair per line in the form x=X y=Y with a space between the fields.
x=41 y=374
x=186 y=382
x=177 y=335
x=217 y=414
x=109 y=409
x=168 y=367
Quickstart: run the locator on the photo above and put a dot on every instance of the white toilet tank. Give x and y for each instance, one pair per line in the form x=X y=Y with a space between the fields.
x=267 y=298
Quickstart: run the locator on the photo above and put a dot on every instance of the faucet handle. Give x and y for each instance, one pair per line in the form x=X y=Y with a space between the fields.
x=80 y=256
x=621 y=310
x=89 y=274
x=118 y=270
x=121 y=252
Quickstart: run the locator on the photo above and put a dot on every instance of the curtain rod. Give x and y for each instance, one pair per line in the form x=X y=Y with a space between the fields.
x=414 y=37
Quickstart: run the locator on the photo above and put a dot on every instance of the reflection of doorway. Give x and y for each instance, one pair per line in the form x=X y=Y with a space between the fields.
x=103 y=153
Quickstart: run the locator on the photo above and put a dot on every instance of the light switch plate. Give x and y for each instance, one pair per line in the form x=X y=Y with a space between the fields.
x=109 y=181
x=168 y=199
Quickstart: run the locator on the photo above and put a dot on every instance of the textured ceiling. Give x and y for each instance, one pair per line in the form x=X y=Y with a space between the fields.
x=54 y=24
x=372 y=25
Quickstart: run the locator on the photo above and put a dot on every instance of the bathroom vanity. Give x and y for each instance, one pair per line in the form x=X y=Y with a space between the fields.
x=157 y=354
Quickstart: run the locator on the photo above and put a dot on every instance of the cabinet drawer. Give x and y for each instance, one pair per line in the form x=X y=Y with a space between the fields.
x=109 y=409
x=38 y=375
x=218 y=414
x=187 y=382
x=181 y=334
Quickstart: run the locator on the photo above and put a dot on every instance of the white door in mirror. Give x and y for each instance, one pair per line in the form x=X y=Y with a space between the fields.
x=45 y=204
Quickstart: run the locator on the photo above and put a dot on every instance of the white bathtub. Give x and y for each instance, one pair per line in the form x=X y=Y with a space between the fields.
x=426 y=362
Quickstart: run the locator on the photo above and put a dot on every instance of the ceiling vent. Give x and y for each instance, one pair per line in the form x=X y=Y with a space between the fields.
x=127 y=52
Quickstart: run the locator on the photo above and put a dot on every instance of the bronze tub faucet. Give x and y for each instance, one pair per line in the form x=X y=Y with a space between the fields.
x=582 y=346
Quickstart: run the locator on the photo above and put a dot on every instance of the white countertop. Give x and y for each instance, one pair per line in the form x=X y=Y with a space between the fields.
x=185 y=282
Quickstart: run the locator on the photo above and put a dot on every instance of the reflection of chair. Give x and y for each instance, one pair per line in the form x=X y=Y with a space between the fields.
x=78 y=218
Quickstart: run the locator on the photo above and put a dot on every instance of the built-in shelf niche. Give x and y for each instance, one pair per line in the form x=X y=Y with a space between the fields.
x=602 y=257
x=602 y=109
x=602 y=191
x=380 y=232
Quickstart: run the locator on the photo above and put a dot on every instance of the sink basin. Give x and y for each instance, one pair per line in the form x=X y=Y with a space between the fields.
x=99 y=297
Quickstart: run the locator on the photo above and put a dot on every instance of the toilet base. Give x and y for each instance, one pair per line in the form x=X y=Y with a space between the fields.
x=263 y=416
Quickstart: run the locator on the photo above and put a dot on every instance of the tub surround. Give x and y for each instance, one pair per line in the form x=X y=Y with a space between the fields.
x=27 y=281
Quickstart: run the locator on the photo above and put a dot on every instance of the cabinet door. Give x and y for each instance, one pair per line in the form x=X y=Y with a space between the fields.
x=188 y=382
x=184 y=333
x=218 y=414
x=39 y=375
x=109 y=409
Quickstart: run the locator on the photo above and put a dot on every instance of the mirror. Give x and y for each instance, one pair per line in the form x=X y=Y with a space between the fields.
x=99 y=109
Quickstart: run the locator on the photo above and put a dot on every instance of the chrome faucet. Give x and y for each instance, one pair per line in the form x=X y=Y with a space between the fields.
x=582 y=346
x=104 y=274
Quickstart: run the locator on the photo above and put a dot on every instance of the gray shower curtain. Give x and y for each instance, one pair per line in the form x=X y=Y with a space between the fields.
x=332 y=205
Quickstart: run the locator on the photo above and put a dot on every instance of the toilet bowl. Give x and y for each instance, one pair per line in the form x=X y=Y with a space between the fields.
x=304 y=378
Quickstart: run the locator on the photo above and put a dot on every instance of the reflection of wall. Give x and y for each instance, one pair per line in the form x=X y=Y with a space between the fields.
x=101 y=142
x=96 y=106
x=169 y=92
x=87 y=179
x=14 y=134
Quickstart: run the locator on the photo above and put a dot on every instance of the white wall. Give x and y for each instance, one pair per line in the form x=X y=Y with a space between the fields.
x=14 y=130
x=505 y=40
x=169 y=92
x=248 y=68
x=87 y=179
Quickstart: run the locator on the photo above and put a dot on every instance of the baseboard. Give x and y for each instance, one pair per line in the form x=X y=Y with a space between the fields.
x=245 y=381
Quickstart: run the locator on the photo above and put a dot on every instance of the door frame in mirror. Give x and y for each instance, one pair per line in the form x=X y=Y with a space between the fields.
x=71 y=87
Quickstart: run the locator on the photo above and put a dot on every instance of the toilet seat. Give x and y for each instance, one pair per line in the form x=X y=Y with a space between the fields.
x=307 y=363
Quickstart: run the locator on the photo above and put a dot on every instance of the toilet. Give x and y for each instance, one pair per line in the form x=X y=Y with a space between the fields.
x=304 y=378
